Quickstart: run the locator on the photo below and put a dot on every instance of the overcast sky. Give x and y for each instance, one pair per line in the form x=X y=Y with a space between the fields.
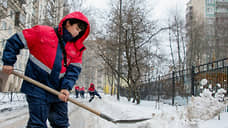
x=162 y=11
x=161 y=7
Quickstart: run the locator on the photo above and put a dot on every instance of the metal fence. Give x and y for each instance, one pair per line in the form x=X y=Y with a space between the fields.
x=11 y=97
x=176 y=88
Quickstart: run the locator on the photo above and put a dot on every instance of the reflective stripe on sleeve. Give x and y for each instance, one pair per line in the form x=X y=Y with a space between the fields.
x=61 y=75
x=22 y=38
x=77 y=65
x=40 y=64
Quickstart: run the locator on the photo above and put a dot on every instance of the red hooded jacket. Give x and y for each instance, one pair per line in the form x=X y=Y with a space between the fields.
x=40 y=38
x=76 y=88
x=82 y=89
x=91 y=88
x=46 y=63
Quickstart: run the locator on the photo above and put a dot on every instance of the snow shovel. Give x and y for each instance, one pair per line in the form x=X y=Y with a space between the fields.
x=75 y=102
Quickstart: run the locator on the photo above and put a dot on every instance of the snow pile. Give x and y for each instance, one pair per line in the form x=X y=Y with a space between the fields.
x=171 y=119
x=198 y=113
x=203 y=82
x=220 y=94
x=7 y=100
x=206 y=106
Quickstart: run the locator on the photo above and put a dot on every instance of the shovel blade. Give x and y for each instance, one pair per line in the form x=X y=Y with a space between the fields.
x=131 y=120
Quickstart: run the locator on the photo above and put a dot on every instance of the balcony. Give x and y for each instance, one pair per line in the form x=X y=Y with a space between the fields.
x=3 y=9
x=221 y=14
x=220 y=3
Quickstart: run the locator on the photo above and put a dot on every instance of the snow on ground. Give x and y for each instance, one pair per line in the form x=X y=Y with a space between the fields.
x=201 y=112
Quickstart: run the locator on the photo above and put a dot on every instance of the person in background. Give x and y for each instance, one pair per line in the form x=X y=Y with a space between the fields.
x=55 y=59
x=92 y=92
x=82 y=92
x=76 y=88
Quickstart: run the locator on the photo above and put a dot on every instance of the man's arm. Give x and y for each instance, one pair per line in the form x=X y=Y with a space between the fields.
x=11 y=50
x=68 y=81
x=70 y=77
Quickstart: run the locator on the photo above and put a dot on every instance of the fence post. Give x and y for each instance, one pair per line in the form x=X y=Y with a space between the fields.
x=192 y=82
x=159 y=84
x=11 y=96
x=226 y=80
x=173 y=91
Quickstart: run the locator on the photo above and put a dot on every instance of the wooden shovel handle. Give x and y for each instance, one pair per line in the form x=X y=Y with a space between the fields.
x=54 y=92
x=75 y=102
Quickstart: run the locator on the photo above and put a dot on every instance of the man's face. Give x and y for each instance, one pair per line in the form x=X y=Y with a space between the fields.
x=73 y=29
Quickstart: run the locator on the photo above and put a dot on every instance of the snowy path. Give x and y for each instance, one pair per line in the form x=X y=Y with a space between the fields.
x=18 y=116
x=15 y=115
x=14 y=119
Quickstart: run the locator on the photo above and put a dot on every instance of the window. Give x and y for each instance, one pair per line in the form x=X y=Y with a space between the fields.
x=210 y=10
x=3 y=43
x=210 y=21
x=222 y=10
x=3 y=25
x=10 y=30
x=22 y=18
x=11 y=14
x=4 y=3
x=210 y=1
x=16 y=20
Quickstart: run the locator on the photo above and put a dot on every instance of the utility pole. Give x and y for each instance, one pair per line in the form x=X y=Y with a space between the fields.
x=119 y=53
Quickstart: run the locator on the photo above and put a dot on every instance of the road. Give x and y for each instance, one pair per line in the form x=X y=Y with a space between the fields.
x=17 y=117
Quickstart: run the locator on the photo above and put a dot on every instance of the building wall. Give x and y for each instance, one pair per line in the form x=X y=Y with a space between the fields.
x=15 y=16
x=214 y=40
x=199 y=10
x=13 y=21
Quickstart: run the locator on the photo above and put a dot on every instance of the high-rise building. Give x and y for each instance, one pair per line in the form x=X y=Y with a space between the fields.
x=207 y=33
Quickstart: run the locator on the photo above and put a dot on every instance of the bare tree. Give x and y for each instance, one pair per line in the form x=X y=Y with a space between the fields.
x=220 y=32
x=177 y=35
x=137 y=33
x=195 y=42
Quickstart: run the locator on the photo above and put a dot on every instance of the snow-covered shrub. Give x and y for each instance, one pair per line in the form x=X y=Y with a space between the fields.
x=220 y=94
x=207 y=105
x=203 y=82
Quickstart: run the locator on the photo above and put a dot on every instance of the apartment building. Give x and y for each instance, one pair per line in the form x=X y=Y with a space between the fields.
x=12 y=19
x=206 y=24
x=17 y=15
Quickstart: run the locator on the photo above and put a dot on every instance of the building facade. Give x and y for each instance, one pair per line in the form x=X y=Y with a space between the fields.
x=12 y=19
x=17 y=15
x=206 y=25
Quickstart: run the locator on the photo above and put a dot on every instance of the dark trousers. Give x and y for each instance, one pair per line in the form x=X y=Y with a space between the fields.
x=40 y=111
x=82 y=93
x=76 y=93
x=92 y=94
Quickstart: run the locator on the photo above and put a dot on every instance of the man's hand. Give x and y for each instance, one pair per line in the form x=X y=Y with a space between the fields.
x=64 y=95
x=7 y=69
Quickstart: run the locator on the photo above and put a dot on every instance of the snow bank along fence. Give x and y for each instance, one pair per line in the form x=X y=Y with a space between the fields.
x=176 y=88
x=11 y=97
